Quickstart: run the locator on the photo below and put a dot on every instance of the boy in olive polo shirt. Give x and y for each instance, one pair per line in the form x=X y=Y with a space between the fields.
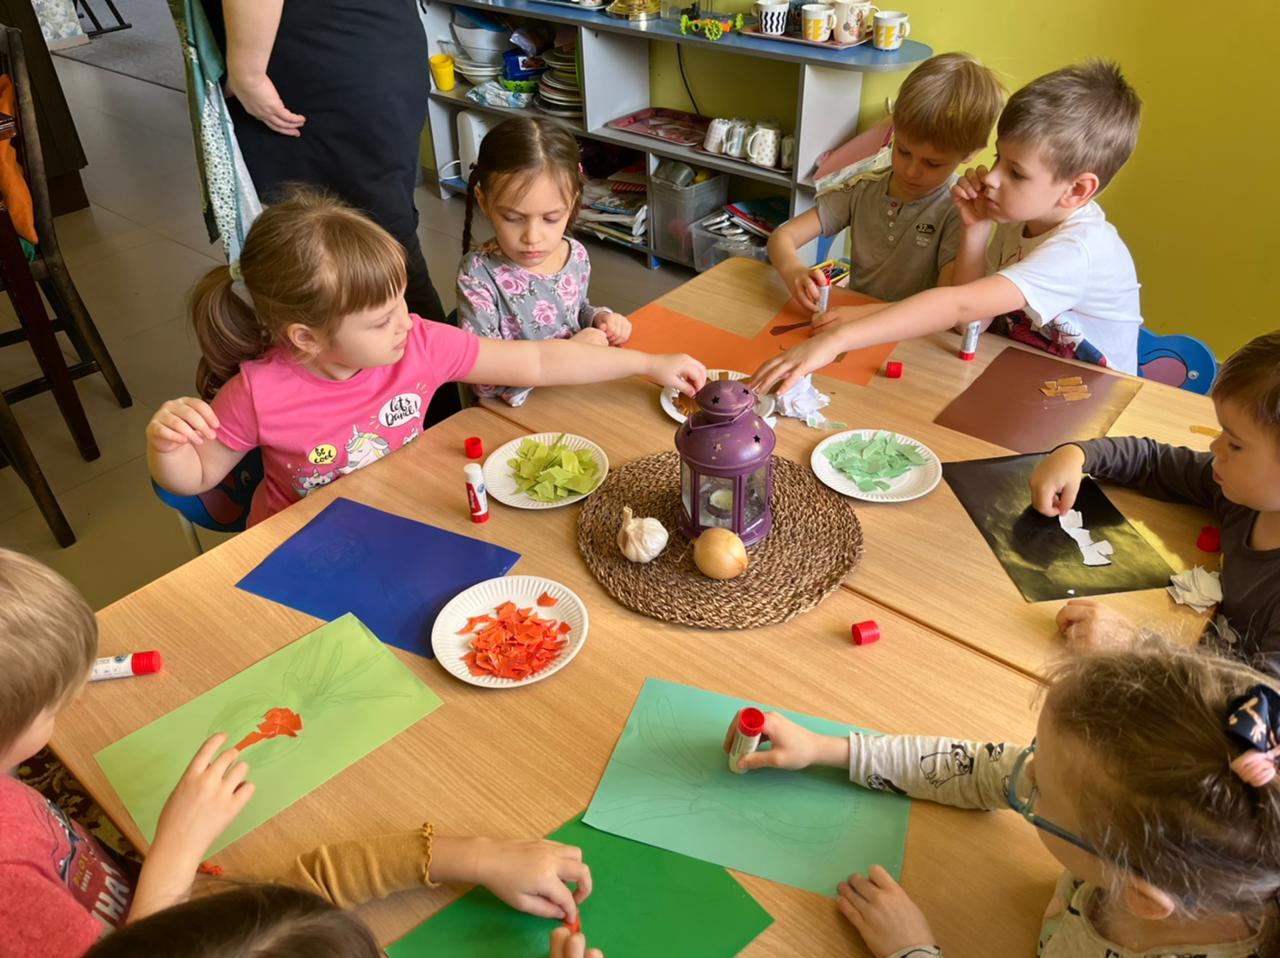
x=904 y=227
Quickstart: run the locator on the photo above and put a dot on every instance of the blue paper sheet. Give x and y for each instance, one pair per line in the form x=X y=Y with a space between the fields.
x=393 y=573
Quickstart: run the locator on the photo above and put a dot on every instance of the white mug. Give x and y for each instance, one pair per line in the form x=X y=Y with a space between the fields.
x=717 y=133
x=773 y=16
x=853 y=20
x=891 y=28
x=763 y=144
x=817 y=19
x=735 y=143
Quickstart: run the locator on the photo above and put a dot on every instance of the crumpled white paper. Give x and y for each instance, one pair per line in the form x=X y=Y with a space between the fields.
x=1093 y=553
x=1198 y=588
x=802 y=401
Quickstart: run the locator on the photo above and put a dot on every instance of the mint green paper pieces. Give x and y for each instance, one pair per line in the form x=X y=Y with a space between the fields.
x=871 y=463
x=549 y=473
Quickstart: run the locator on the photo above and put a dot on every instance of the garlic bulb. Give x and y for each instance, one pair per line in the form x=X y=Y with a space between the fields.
x=641 y=539
x=719 y=554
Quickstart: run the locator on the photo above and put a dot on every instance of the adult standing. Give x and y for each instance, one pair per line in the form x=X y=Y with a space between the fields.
x=333 y=93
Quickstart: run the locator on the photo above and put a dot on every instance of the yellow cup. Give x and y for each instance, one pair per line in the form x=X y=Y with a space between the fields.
x=442 y=71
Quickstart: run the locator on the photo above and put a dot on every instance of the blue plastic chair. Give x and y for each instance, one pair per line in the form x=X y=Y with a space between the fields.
x=224 y=508
x=1181 y=361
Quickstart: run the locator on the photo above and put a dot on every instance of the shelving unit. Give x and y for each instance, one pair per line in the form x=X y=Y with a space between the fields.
x=614 y=56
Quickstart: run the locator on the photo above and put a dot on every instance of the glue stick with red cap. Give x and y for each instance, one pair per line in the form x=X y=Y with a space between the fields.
x=969 y=347
x=748 y=726
x=123 y=666
x=824 y=289
x=477 y=498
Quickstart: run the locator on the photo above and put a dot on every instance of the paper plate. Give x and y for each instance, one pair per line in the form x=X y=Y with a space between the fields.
x=764 y=405
x=501 y=485
x=912 y=484
x=482 y=598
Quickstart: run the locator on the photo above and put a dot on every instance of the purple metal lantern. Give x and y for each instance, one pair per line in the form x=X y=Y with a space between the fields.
x=726 y=475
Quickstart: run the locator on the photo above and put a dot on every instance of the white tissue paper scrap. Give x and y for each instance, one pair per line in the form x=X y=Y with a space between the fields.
x=1093 y=553
x=802 y=401
x=1198 y=588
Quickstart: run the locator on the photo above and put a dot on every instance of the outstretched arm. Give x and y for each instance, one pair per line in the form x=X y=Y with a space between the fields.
x=558 y=362
x=251 y=35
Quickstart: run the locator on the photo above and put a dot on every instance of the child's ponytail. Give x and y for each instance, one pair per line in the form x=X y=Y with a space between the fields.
x=472 y=181
x=227 y=328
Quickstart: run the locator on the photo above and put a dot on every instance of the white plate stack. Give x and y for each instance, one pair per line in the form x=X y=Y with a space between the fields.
x=559 y=90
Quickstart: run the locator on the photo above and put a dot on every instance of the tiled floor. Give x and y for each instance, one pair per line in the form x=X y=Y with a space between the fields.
x=134 y=255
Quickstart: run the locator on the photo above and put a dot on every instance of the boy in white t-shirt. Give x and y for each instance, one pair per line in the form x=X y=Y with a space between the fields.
x=1056 y=273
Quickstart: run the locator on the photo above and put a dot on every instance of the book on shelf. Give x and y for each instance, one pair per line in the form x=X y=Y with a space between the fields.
x=760 y=216
x=607 y=232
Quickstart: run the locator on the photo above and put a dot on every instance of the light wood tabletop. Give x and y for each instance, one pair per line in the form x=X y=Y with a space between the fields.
x=924 y=559
x=518 y=763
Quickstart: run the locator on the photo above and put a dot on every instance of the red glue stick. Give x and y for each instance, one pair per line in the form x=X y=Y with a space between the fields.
x=824 y=290
x=123 y=666
x=969 y=347
x=748 y=726
x=477 y=498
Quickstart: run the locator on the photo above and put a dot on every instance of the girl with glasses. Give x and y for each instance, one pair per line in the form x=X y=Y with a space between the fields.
x=1152 y=781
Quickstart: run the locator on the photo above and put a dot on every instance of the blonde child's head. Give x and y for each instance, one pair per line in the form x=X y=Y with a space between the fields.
x=48 y=640
x=319 y=277
x=1132 y=757
x=266 y=921
x=943 y=116
x=1246 y=395
x=526 y=181
x=1080 y=119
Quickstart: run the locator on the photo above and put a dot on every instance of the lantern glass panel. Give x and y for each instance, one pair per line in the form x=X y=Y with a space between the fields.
x=756 y=490
x=686 y=485
x=715 y=502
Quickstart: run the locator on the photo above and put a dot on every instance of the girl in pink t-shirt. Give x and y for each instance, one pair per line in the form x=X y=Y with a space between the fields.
x=315 y=360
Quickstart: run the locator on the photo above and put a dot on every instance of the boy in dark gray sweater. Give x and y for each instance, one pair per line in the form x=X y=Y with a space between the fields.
x=1238 y=480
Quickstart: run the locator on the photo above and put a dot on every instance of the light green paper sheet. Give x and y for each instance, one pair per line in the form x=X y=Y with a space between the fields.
x=349 y=689
x=644 y=902
x=668 y=784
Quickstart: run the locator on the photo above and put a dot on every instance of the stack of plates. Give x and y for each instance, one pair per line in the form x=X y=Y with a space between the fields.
x=559 y=92
x=477 y=73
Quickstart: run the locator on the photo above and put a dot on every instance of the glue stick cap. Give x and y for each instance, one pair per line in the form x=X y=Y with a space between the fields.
x=145 y=663
x=750 y=721
x=473 y=447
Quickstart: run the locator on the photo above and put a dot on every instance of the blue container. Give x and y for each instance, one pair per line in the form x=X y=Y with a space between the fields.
x=518 y=65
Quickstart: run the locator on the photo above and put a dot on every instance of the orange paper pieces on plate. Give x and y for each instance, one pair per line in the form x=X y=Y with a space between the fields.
x=658 y=329
x=513 y=643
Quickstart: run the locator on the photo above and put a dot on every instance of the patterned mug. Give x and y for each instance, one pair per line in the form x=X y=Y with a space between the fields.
x=817 y=20
x=853 y=20
x=717 y=134
x=891 y=28
x=735 y=143
x=773 y=16
x=764 y=144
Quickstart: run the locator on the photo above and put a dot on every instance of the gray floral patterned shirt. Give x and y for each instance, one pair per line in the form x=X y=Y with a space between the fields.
x=500 y=300
x=975 y=775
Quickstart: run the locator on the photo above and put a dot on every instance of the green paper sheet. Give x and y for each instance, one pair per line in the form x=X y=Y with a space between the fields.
x=644 y=902
x=349 y=690
x=668 y=784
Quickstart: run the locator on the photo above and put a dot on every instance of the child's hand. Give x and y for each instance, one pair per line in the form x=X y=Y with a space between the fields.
x=970 y=196
x=531 y=874
x=786 y=369
x=566 y=944
x=1088 y=626
x=801 y=285
x=794 y=747
x=886 y=918
x=591 y=336
x=181 y=421
x=1055 y=483
x=682 y=373
x=211 y=793
x=616 y=327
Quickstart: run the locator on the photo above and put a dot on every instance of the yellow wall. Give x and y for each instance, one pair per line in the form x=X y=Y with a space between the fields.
x=1197 y=203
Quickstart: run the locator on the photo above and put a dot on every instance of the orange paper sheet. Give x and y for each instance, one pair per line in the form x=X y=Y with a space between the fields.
x=657 y=329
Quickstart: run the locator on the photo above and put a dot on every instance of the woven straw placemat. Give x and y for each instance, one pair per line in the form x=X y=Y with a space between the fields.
x=816 y=541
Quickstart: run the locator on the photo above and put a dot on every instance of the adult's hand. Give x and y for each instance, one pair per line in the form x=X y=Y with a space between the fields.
x=258 y=95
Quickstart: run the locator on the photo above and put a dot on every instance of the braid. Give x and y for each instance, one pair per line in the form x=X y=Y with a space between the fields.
x=472 y=181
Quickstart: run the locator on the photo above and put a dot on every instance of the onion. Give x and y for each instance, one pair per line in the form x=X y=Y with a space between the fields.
x=719 y=554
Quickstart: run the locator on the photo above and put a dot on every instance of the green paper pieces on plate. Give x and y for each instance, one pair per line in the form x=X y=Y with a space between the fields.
x=551 y=473
x=871 y=463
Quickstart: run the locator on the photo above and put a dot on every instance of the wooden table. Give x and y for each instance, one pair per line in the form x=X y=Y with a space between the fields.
x=924 y=559
x=558 y=735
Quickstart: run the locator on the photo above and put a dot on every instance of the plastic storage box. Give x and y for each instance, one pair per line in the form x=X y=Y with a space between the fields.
x=711 y=248
x=675 y=209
